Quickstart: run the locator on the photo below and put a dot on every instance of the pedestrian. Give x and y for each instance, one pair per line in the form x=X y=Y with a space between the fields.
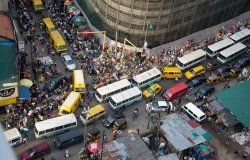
x=239 y=78
x=226 y=85
x=187 y=96
x=67 y=153
x=244 y=156
x=24 y=140
x=138 y=131
x=176 y=79
x=179 y=101
x=236 y=151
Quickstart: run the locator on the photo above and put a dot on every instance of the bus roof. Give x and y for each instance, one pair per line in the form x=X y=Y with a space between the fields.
x=78 y=76
x=71 y=99
x=37 y=2
x=119 y=97
x=49 y=23
x=233 y=49
x=55 y=122
x=194 y=109
x=146 y=75
x=57 y=38
x=172 y=69
x=191 y=56
x=12 y=133
x=94 y=110
x=178 y=87
x=221 y=44
x=113 y=86
x=240 y=35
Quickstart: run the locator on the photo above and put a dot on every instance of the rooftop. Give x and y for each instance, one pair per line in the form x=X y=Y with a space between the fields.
x=181 y=134
x=6 y=28
x=131 y=146
x=237 y=100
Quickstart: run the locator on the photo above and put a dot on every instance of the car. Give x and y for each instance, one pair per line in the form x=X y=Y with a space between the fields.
x=222 y=69
x=54 y=83
x=194 y=72
x=157 y=106
x=68 y=61
x=242 y=62
x=196 y=81
x=211 y=65
x=204 y=91
x=109 y=121
x=151 y=91
x=36 y=151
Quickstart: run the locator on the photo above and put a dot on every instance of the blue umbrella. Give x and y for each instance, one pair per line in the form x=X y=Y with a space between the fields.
x=24 y=92
x=78 y=20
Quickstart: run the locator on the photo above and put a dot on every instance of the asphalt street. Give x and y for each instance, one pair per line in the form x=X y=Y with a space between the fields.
x=141 y=123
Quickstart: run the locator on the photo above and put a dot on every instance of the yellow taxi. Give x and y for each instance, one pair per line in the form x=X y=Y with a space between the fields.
x=194 y=72
x=152 y=90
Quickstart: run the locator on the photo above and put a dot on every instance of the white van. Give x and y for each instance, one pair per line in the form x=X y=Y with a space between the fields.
x=194 y=111
x=14 y=137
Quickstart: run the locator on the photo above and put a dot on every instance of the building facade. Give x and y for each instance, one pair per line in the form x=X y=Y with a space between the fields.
x=159 y=21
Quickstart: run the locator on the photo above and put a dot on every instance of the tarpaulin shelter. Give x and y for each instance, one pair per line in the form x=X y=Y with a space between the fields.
x=87 y=33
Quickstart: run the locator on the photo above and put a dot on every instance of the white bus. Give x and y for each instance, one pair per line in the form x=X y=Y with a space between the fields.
x=194 y=111
x=191 y=59
x=14 y=137
x=125 y=98
x=55 y=125
x=147 y=77
x=231 y=53
x=105 y=92
x=214 y=49
x=241 y=36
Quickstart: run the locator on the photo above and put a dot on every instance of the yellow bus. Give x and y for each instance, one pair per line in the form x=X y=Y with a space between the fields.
x=49 y=25
x=70 y=104
x=37 y=5
x=78 y=82
x=92 y=114
x=58 y=42
x=8 y=96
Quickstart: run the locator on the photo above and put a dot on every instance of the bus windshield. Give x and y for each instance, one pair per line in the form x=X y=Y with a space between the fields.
x=169 y=94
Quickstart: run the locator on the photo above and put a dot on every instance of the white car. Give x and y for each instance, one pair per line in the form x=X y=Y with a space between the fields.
x=68 y=61
x=157 y=106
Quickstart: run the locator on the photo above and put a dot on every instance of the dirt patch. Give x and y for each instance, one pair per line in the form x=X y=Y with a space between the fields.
x=224 y=147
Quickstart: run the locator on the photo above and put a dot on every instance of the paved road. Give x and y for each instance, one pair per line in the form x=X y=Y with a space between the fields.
x=140 y=123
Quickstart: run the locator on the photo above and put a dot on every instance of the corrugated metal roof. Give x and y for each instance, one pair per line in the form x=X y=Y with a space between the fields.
x=237 y=100
x=180 y=134
x=6 y=28
x=131 y=147
x=172 y=156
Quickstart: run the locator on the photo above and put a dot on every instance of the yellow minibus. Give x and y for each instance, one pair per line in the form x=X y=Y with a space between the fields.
x=78 y=82
x=49 y=25
x=171 y=72
x=92 y=114
x=58 y=42
x=70 y=104
x=37 y=5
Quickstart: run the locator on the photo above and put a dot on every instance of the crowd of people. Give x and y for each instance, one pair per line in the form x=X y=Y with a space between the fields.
x=102 y=67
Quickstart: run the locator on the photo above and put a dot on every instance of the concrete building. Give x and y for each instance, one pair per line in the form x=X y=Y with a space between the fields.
x=4 y=5
x=159 y=21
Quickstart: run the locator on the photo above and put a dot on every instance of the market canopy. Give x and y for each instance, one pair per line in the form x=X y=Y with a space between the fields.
x=87 y=33
x=237 y=100
x=73 y=9
x=26 y=82
x=78 y=20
